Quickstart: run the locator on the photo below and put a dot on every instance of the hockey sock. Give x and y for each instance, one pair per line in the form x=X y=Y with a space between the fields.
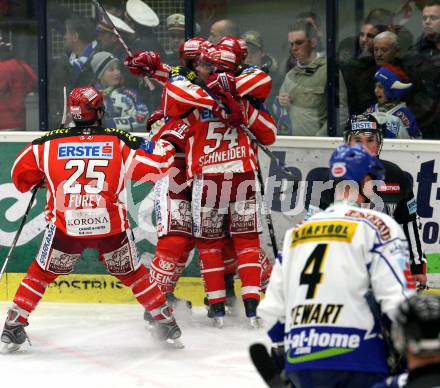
x=147 y=294
x=266 y=269
x=31 y=290
x=169 y=262
x=249 y=268
x=229 y=258
x=212 y=269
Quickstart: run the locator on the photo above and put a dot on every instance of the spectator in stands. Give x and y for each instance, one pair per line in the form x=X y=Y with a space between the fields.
x=315 y=21
x=366 y=40
x=384 y=20
x=16 y=81
x=143 y=19
x=258 y=56
x=176 y=36
x=391 y=85
x=359 y=73
x=221 y=28
x=124 y=108
x=386 y=48
x=73 y=69
x=108 y=41
x=423 y=67
x=303 y=91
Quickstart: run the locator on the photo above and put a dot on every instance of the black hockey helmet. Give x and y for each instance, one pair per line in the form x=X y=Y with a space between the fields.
x=364 y=123
x=417 y=327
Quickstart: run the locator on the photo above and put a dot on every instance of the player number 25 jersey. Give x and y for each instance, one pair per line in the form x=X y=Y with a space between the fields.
x=85 y=173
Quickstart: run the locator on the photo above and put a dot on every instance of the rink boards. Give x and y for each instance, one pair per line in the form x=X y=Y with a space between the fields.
x=303 y=156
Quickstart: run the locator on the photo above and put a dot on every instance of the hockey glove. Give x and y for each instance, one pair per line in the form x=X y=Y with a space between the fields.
x=220 y=83
x=143 y=64
x=278 y=355
x=155 y=116
x=231 y=114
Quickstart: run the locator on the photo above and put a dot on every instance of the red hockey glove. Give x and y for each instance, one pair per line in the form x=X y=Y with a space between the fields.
x=155 y=116
x=220 y=83
x=234 y=117
x=143 y=64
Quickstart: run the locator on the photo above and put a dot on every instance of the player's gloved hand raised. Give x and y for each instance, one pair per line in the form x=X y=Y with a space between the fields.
x=155 y=116
x=219 y=83
x=143 y=64
x=235 y=116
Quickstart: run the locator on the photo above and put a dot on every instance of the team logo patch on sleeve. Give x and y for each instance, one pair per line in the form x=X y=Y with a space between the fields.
x=98 y=150
x=412 y=206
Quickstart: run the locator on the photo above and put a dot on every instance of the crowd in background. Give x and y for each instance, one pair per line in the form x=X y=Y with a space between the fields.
x=384 y=69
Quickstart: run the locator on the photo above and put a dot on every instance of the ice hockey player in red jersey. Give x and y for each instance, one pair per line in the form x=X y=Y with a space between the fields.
x=254 y=85
x=221 y=160
x=84 y=169
x=172 y=193
x=164 y=268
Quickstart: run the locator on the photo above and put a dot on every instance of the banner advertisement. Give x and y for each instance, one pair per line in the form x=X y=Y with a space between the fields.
x=303 y=157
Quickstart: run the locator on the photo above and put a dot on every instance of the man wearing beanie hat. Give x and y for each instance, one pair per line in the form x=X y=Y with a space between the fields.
x=124 y=108
x=391 y=84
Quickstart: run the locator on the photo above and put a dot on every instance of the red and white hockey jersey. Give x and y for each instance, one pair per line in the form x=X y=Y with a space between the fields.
x=254 y=82
x=85 y=170
x=213 y=147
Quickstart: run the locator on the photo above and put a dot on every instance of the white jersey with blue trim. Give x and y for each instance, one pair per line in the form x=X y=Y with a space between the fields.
x=316 y=301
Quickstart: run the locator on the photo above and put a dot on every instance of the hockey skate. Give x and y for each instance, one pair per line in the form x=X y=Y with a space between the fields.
x=176 y=302
x=231 y=299
x=149 y=320
x=250 y=306
x=13 y=335
x=216 y=311
x=168 y=332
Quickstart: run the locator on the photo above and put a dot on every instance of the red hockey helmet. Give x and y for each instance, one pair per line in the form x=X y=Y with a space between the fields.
x=220 y=60
x=192 y=48
x=84 y=103
x=236 y=45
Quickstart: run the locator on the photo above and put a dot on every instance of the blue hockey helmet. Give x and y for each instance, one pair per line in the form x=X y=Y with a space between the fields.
x=355 y=163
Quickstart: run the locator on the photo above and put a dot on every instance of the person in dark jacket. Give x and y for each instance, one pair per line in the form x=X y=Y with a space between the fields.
x=423 y=67
x=396 y=192
x=72 y=69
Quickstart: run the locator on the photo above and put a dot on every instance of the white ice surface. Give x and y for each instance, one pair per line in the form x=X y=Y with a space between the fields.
x=107 y=345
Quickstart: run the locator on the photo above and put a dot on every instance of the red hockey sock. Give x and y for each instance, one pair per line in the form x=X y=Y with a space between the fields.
x=148 y=294
x=266 y=269
x=32 y=289
x=247 y=247
x=169 y=262
x=212 y=269
x=229 y=258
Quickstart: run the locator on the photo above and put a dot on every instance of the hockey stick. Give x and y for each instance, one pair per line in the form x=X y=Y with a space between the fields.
x=265 y=366
x=64 y=118
x=266 y=150
x=99 y=5
x=20 y=228
x=267 y=213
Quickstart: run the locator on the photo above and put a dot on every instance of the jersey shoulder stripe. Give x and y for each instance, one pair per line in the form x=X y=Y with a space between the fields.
x=133 y=142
